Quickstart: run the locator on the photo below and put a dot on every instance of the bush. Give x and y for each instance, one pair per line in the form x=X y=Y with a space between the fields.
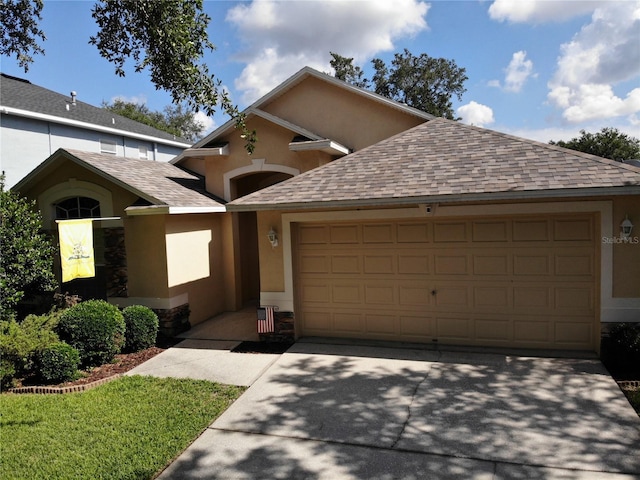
x=58 y=363
x=621 y=349
x=95 y=328
x=141 y=328
x=20 y=342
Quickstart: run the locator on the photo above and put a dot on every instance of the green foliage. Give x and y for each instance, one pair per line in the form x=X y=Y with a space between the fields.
x=26 y=263
x=57 y=363
x=176 y=119
x=95 y=328
x=141 y=328
x=130 y=428
x=422 y=82
x=621 y=349
x=19 y=31
x=21 y=342
x=608 y=143
x=166 y=38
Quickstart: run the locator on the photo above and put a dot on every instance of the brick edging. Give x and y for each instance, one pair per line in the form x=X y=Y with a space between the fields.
x=69 y=389
x=629 y=384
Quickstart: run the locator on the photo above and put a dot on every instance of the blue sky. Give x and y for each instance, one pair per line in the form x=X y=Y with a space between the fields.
x=540 y=69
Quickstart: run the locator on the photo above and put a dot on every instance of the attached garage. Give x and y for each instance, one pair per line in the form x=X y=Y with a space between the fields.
x=499 y=281
x=458 y=235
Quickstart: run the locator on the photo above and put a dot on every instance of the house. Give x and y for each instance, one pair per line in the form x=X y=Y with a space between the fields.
x=173 y=246
x=35 y=122
x=363 y=218
x=455 y=234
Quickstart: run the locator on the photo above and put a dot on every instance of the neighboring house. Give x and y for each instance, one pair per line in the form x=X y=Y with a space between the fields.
x=360 y=217
x=174 y=247
x=455 y=234
x=35 y=122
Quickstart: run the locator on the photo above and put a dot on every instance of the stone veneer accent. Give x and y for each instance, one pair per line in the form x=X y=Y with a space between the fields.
x=174 y=320
x=115 y=258
x=283 y=329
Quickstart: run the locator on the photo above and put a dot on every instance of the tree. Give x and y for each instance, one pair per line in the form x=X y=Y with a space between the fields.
x=608 y=143
x=20 y=32
x=176 y=119
x=422 y=82
x=167 y=38
x=347 y=72
x=26 y=264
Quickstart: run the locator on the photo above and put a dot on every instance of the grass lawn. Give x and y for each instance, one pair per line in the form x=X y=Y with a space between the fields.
x=130 y=428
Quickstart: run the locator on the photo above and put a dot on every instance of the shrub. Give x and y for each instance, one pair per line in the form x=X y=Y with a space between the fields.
x=621 y=349
x=141 y=328
x=58 y=363
x=95 y=328
x=20 y=342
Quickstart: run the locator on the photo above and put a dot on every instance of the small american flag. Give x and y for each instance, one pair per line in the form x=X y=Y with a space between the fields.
x=265 y=319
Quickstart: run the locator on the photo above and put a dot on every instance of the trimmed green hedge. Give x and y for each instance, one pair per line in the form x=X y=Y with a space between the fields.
x=58 y=363
x=95 y=328
x=141 y=328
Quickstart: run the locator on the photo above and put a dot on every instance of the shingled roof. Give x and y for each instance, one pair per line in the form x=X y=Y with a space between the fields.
x=20 y=94
x=442 y=160
x=162 y=187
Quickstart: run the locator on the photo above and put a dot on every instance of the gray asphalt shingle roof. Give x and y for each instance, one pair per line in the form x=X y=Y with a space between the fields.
x=444 y=160
x=22 y=94
x=159 y=183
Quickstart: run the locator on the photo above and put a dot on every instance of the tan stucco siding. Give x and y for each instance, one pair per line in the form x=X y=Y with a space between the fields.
x=146 y=256
x=271 y=258
x=272 y=149
x=626 y=256
x=194 y=263
x=338 y=114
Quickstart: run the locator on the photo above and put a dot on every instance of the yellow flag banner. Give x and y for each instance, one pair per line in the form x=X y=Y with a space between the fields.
x=76 y=249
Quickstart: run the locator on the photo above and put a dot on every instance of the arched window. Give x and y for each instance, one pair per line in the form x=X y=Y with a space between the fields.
x=77 y=207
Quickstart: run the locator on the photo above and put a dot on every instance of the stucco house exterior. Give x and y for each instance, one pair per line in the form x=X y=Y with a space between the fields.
x=173 y=246
x=455 y=234
x=359 y=217
x=35 y=122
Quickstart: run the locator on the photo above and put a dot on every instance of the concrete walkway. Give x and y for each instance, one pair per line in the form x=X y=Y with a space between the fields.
x=323 y=411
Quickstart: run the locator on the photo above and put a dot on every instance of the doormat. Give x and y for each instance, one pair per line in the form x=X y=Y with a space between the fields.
x=262 y=347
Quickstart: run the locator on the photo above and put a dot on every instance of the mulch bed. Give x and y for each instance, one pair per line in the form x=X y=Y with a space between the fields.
x=262 y=347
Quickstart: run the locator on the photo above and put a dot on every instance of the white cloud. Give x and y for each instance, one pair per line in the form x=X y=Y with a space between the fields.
x=474 y=113
x=538 y=11
x=282 y=37
x=208 y=122
x=604 y=53
x=137 y=99
x=518 y=71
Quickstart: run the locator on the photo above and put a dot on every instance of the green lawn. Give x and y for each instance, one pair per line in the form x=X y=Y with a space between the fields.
x=130 y=428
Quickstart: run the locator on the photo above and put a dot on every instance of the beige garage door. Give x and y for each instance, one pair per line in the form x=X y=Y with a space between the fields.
x=517 y=281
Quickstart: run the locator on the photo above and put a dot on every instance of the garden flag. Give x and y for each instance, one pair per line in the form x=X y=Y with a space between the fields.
x=76 y=249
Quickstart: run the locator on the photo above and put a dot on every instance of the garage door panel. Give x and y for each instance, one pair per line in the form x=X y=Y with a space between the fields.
x=409 y=264
x=379 y=264
x=419 y=326
x=511 y=281
x=415 y=294
x=349 y=264
x=380 y=295
x=489 y=231
x=450 y=264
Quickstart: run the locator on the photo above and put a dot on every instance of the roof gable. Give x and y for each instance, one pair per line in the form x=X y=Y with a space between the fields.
x=309 y=73
x=442 y=160
x=167 y=188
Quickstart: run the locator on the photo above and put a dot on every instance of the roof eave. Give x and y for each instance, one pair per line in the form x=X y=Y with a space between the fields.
x=453 y=198
x=326 y=145
x=90 y=126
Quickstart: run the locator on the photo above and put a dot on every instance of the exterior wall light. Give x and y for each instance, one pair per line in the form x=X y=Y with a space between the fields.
x=626 y=227
x=273 y=238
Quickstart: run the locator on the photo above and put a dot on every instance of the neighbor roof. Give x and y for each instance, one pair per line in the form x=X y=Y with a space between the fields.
x=442 y=160
x=164 y=188
x=21 y=97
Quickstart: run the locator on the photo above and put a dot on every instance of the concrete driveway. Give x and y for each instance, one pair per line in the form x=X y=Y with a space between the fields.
x=355 y=412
